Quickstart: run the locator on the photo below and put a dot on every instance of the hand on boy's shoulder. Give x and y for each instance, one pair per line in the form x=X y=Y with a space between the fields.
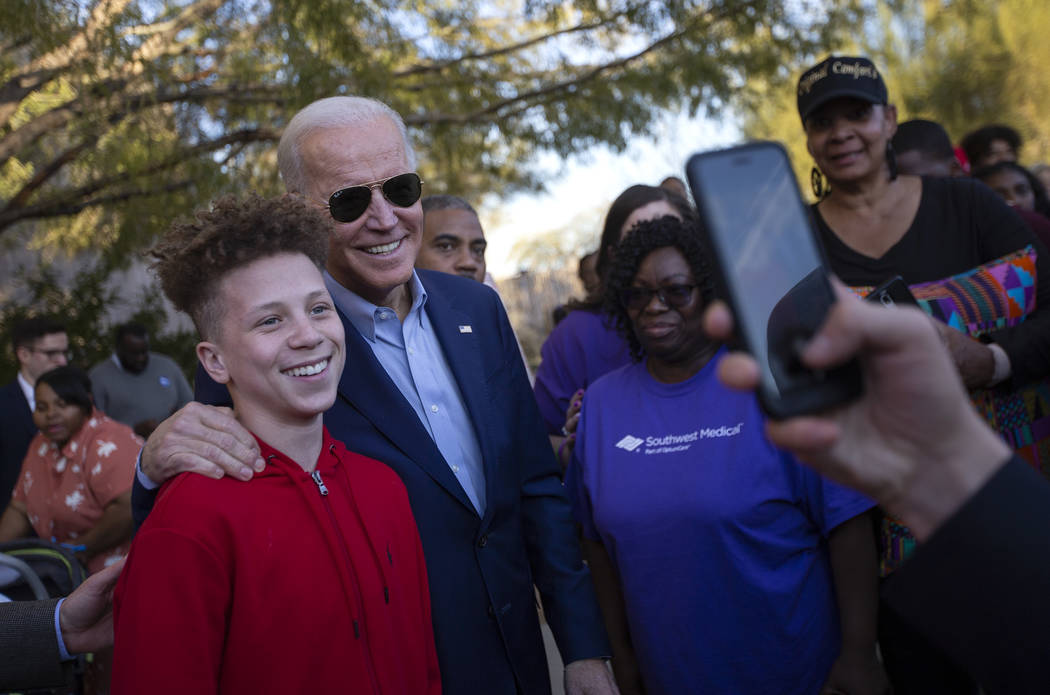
x=203 y=439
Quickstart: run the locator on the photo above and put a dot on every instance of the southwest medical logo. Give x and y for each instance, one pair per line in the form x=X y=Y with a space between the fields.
x=629 y=443
x=672 y=443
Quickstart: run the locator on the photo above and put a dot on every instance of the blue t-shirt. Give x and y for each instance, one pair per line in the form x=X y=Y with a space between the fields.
x=583 y=347
x=719 y=538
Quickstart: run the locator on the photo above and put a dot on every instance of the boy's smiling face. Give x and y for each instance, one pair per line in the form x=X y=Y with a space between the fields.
x=279 y=344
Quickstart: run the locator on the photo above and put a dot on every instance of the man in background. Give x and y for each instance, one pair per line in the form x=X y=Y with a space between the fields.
x=138 y=387
x=454 y=243
x=40 y=345
x=453 y=240
x=923 y=148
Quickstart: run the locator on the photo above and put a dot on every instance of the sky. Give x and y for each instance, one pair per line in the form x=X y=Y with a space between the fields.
x=586 y=184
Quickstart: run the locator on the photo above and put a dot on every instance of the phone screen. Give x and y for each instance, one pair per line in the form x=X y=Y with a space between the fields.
x=769 y=260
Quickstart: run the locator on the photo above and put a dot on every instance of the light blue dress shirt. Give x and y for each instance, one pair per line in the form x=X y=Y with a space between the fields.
x=412 y=357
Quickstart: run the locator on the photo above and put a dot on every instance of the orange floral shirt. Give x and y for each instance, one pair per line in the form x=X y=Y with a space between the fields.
x=66 y=490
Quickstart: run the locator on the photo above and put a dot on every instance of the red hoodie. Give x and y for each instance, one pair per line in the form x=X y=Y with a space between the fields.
x=291 y=583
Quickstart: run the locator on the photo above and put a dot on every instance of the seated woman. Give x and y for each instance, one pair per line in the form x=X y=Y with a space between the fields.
x=722 y=564
x=309 y=578
x=75 y=484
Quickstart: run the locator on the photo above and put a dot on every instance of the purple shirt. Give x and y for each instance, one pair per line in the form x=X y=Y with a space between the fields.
x=718 y=537
x=583 y=347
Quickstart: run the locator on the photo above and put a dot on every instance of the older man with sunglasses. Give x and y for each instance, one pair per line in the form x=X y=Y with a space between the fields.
x=434 y=387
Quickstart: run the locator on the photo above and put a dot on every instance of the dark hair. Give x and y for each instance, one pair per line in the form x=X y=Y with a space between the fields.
x=583 y=259
x=636 y=196
x=644 y=238
x=927 y=137
x=196 y=253
x=432 y=203
x=28 y=331
x=976 y=144
x=71 y=384
x=1042 y=201
x=133 y=329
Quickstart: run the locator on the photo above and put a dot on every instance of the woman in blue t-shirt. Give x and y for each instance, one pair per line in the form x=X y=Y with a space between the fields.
x=584 y=346
x=722 y=564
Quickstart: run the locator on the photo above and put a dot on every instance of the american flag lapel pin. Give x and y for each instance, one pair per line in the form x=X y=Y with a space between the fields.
x=466 y=329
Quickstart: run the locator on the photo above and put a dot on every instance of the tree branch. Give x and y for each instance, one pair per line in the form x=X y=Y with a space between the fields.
x=512 y=48
x=45 y=173
x=39 y=72
x=40 y=212
x=484 y=114
x=66 y=200
x=118 y=107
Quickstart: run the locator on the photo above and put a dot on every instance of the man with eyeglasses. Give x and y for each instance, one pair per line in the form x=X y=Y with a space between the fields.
x=434 y=387
x=40 y=345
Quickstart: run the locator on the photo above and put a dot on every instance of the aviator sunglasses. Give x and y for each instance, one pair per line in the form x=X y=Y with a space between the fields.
x=347 y=204
x=675 y=296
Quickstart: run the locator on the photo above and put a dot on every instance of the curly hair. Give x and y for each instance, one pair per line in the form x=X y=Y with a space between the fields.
x=196 y=253
x=632 y=198
x=642 y=240
x=977 y=143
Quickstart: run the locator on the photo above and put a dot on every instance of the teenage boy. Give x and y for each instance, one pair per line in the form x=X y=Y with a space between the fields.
x=309 y=578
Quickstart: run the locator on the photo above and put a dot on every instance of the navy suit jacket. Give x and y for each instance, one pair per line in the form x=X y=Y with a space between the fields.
x=16 y=431
x=977 y=588
x=29 y=647
x=481 y=569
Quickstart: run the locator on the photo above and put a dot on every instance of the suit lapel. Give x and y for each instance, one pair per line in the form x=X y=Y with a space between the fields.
x=366 y=387
x=461 y=342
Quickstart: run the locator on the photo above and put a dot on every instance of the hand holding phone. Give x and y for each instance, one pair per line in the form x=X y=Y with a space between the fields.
x=773 y=271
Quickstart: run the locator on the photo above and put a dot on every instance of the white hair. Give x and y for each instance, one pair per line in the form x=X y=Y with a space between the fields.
x=331 y=112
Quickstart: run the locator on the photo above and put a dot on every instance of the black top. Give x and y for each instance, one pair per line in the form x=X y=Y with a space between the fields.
x=978 y=587
x=960 y=224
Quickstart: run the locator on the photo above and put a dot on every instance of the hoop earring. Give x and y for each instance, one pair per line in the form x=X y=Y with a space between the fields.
x=891 y=161
x=817 y=183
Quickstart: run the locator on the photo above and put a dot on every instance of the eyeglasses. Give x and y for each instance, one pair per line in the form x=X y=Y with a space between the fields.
x=675 y=296
x=53 y=354
x=347 y=204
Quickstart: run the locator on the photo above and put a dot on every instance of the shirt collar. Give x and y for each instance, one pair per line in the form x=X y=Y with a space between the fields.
x=362 y=313
x=27 y=391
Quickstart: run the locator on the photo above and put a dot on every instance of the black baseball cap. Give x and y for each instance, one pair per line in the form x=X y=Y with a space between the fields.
x=839 y=76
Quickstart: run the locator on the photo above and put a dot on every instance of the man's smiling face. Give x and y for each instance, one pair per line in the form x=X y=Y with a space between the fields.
x=373 y=255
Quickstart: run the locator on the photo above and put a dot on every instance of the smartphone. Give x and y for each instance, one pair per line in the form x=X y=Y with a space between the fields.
x=772 y=270
x=892 y=292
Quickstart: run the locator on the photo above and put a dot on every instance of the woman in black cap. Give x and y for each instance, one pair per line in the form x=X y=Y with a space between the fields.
x=875 y=225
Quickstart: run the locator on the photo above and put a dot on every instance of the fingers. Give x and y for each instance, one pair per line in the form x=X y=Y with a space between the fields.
x=102 y=582
x=805 y=436
x=738 y=371
x=202 y=439
x=572 y=414
x=718 y=321
x=234 y=439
